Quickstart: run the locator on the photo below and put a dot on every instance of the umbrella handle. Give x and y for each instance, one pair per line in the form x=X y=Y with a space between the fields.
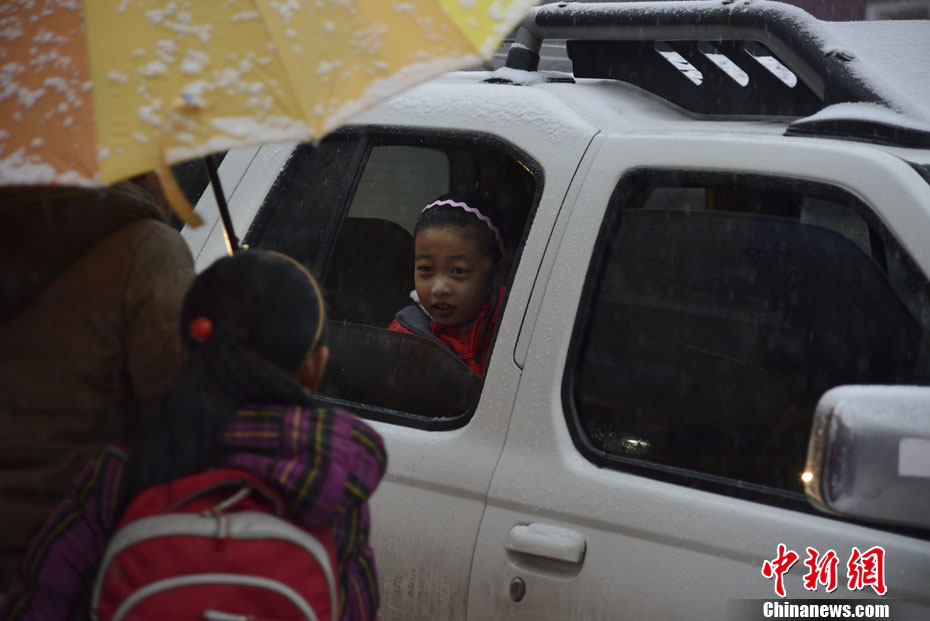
x=232 y=242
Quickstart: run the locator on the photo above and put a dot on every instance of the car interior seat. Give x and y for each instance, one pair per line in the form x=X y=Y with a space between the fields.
x=370 y=272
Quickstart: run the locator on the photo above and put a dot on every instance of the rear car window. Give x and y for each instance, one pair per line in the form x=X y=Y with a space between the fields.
x=720 y=309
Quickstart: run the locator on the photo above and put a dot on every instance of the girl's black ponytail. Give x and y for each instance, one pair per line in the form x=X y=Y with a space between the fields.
x=247 y=323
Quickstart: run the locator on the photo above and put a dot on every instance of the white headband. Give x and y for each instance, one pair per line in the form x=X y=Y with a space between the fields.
x=475 y=212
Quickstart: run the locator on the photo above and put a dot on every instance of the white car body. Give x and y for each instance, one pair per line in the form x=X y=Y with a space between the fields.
x=464 y=512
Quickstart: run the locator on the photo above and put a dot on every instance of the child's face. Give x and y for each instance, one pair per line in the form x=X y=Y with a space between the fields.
x=452 y=273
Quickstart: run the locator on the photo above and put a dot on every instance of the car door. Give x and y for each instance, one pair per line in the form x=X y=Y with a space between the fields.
x=336 y=206
x=426 y=513
x=704 y=292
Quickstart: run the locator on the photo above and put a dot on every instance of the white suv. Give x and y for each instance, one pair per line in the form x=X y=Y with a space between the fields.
x=721 y=214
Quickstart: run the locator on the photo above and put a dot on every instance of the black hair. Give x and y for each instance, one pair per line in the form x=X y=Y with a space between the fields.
x=451 y=215
x=265 y=314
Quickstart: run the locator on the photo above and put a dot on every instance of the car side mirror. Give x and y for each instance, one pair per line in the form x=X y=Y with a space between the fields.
x=869 y=454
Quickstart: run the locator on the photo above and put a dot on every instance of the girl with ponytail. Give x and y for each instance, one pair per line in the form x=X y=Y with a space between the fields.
x=252 y=341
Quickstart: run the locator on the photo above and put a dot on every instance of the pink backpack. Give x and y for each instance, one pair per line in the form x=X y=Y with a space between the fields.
x=215 y=546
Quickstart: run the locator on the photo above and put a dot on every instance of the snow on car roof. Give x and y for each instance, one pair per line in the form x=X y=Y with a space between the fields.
x=462 y=100
x=892 y=55
x=878 y=62
x=891 y=59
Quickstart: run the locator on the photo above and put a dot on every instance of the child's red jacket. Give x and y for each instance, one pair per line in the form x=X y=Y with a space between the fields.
x=471 y=345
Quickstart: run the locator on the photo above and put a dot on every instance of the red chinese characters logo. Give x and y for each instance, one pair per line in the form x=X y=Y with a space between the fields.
x=863 y=569
x=867 y=569
x=821 y=570
x=779 y=566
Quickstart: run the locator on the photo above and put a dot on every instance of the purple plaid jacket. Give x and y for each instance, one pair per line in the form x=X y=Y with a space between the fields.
x=326 y=463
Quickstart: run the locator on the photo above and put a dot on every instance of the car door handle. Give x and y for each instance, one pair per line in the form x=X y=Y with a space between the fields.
x=547 y=541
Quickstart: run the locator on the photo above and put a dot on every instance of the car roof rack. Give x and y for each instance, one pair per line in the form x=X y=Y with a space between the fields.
x=720 y=57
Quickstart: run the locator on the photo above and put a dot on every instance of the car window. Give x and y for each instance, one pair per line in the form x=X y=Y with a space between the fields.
x=425 y=173
x=346 y=208
x=302 y=207
x=720 y=309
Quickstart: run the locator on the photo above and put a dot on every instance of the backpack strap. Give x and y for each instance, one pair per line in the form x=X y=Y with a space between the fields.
x=190 y=488
x=205 y=491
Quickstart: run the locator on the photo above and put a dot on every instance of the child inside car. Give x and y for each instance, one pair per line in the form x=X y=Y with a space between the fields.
x=460 y=255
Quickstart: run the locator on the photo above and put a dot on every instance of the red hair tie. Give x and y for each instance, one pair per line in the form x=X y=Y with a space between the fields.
x=200 y=329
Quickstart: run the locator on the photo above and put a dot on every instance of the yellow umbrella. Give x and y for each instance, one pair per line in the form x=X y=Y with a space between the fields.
x=99 y=91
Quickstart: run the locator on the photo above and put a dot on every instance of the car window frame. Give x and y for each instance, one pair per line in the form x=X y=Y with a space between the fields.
x=366 y=137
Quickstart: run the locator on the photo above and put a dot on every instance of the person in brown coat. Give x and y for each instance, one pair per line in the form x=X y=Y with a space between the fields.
x=91 y=283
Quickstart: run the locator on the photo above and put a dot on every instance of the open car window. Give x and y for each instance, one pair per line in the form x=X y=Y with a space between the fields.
x=346 y=208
